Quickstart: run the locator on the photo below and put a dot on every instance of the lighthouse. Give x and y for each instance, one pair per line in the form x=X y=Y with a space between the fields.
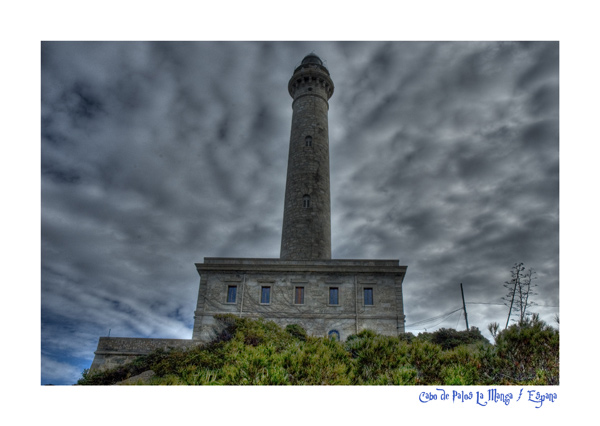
x=306 y=232
x=304 y=286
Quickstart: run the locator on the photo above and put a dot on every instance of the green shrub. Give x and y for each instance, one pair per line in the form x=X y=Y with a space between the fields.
x=375 y=356
x=449 y=338
x=296 y=331
x=317 y=361
x=525 y=353
x=425 y=357
x=405 y=375
x=259 y=352
x=456 y=375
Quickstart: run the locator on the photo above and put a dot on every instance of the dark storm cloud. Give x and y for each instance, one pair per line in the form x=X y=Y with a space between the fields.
x=458 y=167
x=155 y=155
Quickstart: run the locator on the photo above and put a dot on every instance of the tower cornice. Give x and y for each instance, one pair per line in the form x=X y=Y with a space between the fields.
x=308 y=76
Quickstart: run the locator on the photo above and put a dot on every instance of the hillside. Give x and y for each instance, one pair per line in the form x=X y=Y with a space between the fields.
x=256 y=352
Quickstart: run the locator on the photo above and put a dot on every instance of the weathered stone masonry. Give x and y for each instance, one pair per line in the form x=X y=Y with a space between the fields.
x=306 y=230
x=115 y=351
x=286 y=280
x=327 y=297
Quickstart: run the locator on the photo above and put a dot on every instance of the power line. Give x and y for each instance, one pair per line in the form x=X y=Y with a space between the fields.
x=443 y=319
x=442 y=316
x=502 y=304
x=544 y=306
x=459 y=317
x=434 y=318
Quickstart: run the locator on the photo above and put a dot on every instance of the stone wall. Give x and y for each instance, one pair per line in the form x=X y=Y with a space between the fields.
x=115 y=351
x=315 y=312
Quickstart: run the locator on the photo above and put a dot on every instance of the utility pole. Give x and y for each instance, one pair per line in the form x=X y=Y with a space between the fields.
x=464 y=306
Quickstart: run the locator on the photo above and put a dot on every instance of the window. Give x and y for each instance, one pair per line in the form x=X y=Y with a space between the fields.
x=231 y=293
x=265 y=295
x=333 y=296
x=299 y=296
x=308 y=141
x=306 y=201
x=334 y=335
x=368 y=299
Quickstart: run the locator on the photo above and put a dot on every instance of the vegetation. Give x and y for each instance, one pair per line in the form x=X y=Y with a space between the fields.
x=520 y=288
x=258 y=352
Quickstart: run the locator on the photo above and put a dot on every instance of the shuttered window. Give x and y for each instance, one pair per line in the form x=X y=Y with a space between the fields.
x=299 y=296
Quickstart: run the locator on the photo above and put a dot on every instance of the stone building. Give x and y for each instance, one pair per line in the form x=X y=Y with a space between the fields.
x=328 y=297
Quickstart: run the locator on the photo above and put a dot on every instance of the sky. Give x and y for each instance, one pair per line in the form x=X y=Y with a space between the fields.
x=154 y=155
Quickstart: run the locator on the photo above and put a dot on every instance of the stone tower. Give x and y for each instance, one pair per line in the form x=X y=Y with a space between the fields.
x=306 y=233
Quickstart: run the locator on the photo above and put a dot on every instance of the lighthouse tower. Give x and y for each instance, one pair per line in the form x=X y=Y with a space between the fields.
x=306 y=231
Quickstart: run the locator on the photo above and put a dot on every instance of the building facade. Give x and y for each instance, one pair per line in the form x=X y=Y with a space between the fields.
x=327 y=297
x=333 y=298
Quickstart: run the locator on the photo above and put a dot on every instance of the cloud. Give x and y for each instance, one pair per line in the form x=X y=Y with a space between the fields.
x=59 y=373
x=443 y=155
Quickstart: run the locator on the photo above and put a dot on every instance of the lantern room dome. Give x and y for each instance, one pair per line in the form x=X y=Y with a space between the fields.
x=312 y=59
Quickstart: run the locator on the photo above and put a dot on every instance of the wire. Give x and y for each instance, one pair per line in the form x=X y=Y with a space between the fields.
x=502 y=304
x=442 y=316
x=459 y=317
x=442 y=320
